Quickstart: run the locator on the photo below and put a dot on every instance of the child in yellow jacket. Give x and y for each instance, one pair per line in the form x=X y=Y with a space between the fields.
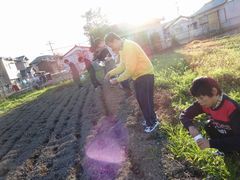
x=135 y=64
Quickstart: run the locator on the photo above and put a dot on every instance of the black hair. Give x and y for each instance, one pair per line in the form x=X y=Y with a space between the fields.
x=66 y=60
x=97 y=41
x=80 y=59
x=202 y=86
x=110 y=37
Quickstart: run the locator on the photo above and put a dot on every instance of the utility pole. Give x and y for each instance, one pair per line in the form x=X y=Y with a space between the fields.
x=2 y=89
x=50 y=44
x=177 y=8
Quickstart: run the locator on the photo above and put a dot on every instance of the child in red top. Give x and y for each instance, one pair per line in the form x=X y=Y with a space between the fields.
x=223 y=124
x=90 y=69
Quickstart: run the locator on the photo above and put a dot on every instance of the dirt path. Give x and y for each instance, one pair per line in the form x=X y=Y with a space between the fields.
x=80 y=134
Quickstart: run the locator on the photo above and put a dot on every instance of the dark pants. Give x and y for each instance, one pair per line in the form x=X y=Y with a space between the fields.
x=92 y=74
x=227 y=143
x=109 y=65
x=144 y=87
x=125 y=84
x=76 y=79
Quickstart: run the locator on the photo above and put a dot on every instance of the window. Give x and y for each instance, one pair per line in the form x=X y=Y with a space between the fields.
x=203 y=20
x=194 y=25
x=222 y=15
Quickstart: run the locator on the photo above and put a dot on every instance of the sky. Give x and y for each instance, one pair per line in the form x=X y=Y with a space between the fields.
x=27 y=26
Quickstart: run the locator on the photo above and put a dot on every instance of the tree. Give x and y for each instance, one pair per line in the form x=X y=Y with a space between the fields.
x=96 y=24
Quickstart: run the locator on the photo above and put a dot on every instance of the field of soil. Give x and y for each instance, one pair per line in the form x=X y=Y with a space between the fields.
x=87 y=133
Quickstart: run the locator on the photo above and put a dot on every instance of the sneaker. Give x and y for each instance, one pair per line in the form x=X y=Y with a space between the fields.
x=149 y=129
x=144 y=122
x=219 y=153
x=96 y=88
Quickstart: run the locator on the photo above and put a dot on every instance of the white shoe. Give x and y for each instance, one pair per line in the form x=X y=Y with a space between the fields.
x=144 y=122
x=219 y=153
x=149 y=129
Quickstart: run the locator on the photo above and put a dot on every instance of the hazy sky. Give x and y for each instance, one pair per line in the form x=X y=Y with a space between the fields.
x=26 y=26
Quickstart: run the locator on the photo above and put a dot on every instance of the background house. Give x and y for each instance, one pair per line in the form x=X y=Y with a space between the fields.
x=229 y=15
x=22 y=65
x=8 y=71
x=206 y=19
x=216 y=16
x=72 y=55
x=177 y=30
x=147 y=35
x=47 y=63
x=8 y=75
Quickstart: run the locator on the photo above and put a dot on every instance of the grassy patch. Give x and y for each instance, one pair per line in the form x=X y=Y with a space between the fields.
x=20 y=99
x=183 y=147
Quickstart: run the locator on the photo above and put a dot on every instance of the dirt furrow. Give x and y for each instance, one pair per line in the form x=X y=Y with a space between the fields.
x=16 y=116
x=34 y=137
x=79 y=134
x=29 y=119
x=56 y=156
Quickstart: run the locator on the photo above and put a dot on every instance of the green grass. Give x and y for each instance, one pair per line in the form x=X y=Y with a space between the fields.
x=183 y=147
x=174 y=71
x=15 y=101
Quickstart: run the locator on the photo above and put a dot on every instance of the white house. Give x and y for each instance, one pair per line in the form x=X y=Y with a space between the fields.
x=22 y=65
x=178 y=30
x=8 y=71
x=215 y=16
x=72 y=55
x=229 y=15
x=150 y=35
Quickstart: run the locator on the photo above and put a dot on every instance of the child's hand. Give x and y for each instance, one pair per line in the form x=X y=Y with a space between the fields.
x=193 y=131
x=203 y=143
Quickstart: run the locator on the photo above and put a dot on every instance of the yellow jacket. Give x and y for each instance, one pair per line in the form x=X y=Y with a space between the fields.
x=133 y=62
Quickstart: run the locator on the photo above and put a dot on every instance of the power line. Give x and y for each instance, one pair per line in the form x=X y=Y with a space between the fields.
x=53 y=50
x=177 y=8
x=67 y=46
x=50 y=44
x=62 y=47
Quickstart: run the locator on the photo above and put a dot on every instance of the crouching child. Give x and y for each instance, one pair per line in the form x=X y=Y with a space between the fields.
x=223 y=123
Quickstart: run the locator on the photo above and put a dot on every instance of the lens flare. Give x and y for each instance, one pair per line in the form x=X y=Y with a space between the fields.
x=106 y=151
